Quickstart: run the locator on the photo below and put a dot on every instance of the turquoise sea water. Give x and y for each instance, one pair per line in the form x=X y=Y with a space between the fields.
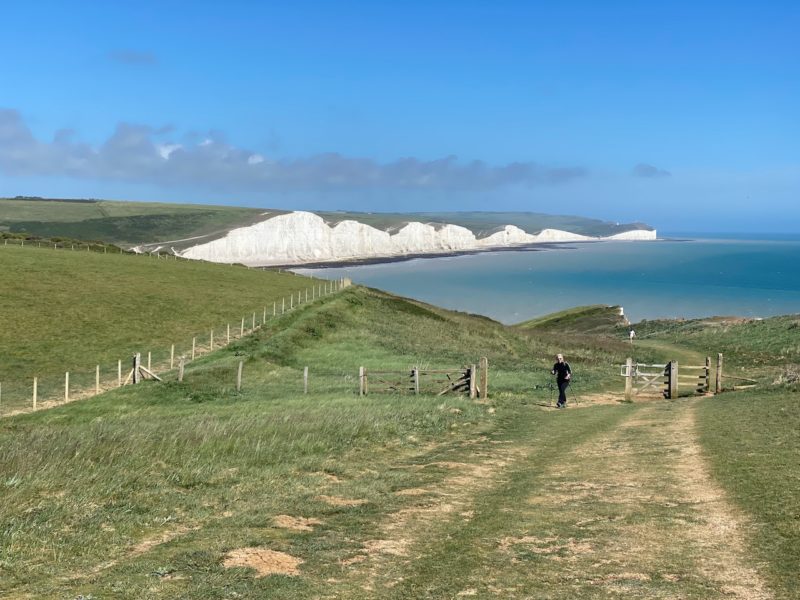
x=689 y=278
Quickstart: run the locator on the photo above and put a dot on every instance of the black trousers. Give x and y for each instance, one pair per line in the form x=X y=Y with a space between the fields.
x=562 y=392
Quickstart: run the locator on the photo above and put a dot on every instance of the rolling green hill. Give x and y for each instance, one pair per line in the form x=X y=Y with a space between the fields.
x=195 y=490
x=134 y=223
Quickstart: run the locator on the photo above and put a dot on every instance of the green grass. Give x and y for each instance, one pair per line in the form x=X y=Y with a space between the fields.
x=69 y=311
x=767 y=350
x=753 y=441
x=584 y=319
x=120 y=222
x=142 y=492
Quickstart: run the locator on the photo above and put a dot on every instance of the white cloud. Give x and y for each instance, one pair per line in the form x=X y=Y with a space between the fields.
x=133 y=154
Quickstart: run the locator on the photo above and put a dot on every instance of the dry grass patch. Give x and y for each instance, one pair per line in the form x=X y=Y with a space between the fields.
x=296 y=523
x=265 y=562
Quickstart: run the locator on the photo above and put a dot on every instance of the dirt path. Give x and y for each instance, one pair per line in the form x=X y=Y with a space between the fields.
x=628 y=511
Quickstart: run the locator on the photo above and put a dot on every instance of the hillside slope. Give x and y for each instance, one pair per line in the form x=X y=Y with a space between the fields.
x=197 y=490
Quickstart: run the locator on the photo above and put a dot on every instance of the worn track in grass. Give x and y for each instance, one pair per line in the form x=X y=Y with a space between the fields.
x=628 y=510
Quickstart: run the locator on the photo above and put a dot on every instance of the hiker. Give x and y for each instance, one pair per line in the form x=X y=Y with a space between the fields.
x=563 y=374
x=632 y=335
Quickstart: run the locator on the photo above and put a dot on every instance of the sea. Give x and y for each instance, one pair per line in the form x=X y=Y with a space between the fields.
x=681 y=276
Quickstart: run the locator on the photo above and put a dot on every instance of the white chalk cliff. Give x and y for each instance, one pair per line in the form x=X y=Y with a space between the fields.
x=303 y=237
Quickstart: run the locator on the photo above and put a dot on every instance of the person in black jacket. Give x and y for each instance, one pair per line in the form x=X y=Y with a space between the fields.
x=563 y=374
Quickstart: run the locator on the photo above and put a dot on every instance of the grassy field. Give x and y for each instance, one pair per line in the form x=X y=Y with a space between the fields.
x=69 y=311
x=120 y=222
x=195 y=490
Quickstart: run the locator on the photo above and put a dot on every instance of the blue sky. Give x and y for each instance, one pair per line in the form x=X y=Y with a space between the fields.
x=682 y=115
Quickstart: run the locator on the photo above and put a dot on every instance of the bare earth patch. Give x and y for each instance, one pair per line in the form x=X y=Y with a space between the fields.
x=296 y=523
x=265 y=562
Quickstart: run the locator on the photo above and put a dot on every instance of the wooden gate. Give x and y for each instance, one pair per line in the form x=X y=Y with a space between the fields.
x=644 y=379
x=472 y=379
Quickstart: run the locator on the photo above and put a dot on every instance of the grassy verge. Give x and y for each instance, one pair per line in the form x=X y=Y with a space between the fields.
x=753 y=442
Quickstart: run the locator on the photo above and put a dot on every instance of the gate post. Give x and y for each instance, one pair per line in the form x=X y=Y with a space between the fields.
x=628 y=379
x=416 y=380
x=672 y=377
x=472 y=382
x=137 y=363
x=718 y=387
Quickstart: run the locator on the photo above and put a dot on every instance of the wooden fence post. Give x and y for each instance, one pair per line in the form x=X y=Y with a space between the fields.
x=283 y=305
x=172 y=357
x=241 y=328
x=628 y=378
x=210 y=342
x=194 y=345
x=66 y=386
x=239 y=377
x=274 y=309
x=305 y=380
x=416 y=380
x=673 y=379
x=473 y=383
x=119 y=373
x=149 y=362
x=229 y=334
x=484 y=377
x=361 y=375
x=137 y=363
x=707 y=384
x=718 y=382
x=180 y=368
x=264 y=318
x=97 y=380
x=291 y=302
x=35 y=391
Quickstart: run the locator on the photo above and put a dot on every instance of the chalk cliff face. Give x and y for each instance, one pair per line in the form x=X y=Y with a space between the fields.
x=303 y=237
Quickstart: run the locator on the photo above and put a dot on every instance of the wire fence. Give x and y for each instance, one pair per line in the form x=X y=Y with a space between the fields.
x=52 y=389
